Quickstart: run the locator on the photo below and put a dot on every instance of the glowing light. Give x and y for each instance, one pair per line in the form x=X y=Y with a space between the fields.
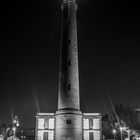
x=14 y=121
x=86 y=123
x=121 y=128
x=51 y=123
x=37 y=103
x=96 y=123
x=68 y=0
x=114 y=131
x=40 y=135
x=17 y=124
x=92 y=114
x=97 y=135
x=41 y=123
x=14 y=129
x=86 y=135
x=45 y=114
x=51 y=135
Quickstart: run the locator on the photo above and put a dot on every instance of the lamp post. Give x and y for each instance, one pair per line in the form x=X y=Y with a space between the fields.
x=15 y=125
x=14 y=129
x=114 y=133
x=121 y=130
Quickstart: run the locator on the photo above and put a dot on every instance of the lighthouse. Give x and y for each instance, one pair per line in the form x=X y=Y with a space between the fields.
x=68 y=122
x=68 y=96
x=68 y=115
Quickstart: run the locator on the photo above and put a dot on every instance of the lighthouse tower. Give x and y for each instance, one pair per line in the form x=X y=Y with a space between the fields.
x=68 y=123
x=68 y=115
x=69 y=77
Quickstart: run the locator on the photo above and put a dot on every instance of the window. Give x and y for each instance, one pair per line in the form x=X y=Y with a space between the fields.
x=40 y=123
x=40 y=135
x=96 y=124
x=51 y=123
x=51 y=135
x=86 y=123
x=97 y=135
x=86 y=135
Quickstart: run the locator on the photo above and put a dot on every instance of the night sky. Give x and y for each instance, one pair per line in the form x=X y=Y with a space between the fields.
x=109 y=61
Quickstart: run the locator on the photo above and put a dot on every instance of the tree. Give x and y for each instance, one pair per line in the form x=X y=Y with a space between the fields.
x=127 y=115
x=3 y=128
x=107 y=127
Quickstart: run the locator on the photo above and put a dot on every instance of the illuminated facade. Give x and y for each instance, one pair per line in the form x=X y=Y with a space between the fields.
x=45 y=126
x=92 y=126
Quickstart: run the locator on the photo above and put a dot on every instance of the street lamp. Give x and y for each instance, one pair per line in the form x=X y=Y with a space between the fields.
x=15 y=125
x=121 y=129
x=114 y=133
x=14 y=129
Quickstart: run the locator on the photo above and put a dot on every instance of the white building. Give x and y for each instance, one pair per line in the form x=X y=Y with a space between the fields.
x=45 y=126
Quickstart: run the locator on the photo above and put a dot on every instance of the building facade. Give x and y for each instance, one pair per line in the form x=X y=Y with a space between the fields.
x=91 y=126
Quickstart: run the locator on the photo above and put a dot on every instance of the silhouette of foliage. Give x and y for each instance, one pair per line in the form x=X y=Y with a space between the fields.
x=127 y=114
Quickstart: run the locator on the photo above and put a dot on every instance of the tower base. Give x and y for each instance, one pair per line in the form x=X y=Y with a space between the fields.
x=68 y=125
